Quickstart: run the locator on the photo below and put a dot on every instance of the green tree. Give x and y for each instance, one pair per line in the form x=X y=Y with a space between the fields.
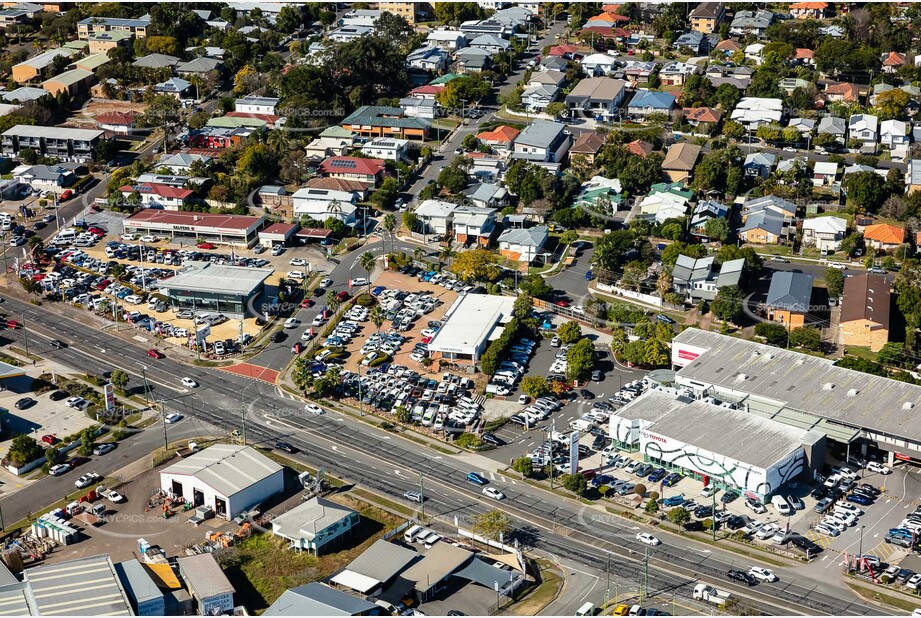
x=576 y=483
x=569 y=236
x=402 y=414
x=289 y=19
x=557 y=109
x=535 y=386
x=494 y=524
x=717 y=228
x=892 y=104
x=523 y=466
x=655 y=353
x=535 y=286
x=806 y=337
x=569 y=332
x=727 y=305
x=580 y=360
x=366 y=262
x=23 y=449
x=865 y=190
x=834 y=281
x=652 y=507
x=87 y=441
x=476 y=265
x=908 y=285
x=773 y=333
x=119 y=379
x=410 y=221
x=679 y=516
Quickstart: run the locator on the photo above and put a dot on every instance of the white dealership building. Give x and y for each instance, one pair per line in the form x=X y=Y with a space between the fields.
x=470 y=324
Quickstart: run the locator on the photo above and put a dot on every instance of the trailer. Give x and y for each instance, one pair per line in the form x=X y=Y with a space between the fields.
x=704 y=592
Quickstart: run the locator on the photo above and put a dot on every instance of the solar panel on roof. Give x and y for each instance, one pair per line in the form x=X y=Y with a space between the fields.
x=342 y=163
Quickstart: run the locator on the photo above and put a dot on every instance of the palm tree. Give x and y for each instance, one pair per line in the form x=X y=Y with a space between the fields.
x=377 y=317
x=36 y=246
x=366 y=261
x=118 y=270
x=389 y=223
x=331 y=301
x=278 y=140
x=447 y=252
x=418 y=252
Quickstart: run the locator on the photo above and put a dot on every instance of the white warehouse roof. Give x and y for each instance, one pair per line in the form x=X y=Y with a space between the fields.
x=226 y=468
x=470 y=321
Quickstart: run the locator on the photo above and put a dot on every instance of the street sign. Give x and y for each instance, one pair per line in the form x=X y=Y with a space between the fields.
x=109 y=391
x=203 y=333
x=574 y=452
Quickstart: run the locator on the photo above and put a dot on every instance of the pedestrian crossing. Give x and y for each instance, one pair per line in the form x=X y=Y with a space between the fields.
x=495 y=476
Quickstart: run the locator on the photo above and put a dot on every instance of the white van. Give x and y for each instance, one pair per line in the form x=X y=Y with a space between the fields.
x=411 y=533
x=783 y=507
x=65 y=236
x=581 y=425
x=587 y=609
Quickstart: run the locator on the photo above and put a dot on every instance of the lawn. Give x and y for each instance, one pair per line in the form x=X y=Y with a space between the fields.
x=262 y=567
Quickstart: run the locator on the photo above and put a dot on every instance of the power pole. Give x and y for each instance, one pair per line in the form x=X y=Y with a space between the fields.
x=552 y=429
x=243 y=419
x=645 y=572
x=422 y=496
x=607 y=571
x=713 y=515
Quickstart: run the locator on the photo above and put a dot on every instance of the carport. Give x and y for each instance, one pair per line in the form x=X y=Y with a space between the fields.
x=489 y=576
x=306 y=234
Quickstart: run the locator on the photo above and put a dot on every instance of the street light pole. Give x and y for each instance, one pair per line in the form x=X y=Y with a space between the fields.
x=860 y=551
x=422 y=496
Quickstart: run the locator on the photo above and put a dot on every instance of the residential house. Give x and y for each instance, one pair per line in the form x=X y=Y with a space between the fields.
x=73 y=82
x=199 y=66
x=680 y=161
x=104 y=41
x=824 y=173
x=156 y=195
x=824 y=233
x=640 y=148
x=360 y=17
x=698 y=279
x=646 y=103
x=316 y=599
x=834 y=126
x=597 y=96
x=637 y=73
x=665 y=201
x=893 y=61
x=446 y=39
x=771 y=203
x=382 y=121
x=347 y=34
x=707 y=16
x=893 y=134
x=32 y=68
x=727 y=46
x=116 y=122
x=752 y=112
x=547 y=78
x=884 y=236
x=475 y=225
x=256 y=105
x=587 y=146
x=790 y=84
x=427 y=91
x=415 y=107
x=430 y=59
x=435 y=216
x=524 y=245
x=695 y=41
x=809 y=10
x=406 y=10
x=472 y=60
x=755 y=53
x=536 y=98
x=596 y=65
x=218 y=138
x=91 y=25
x=705 y=118
x=751 y=22
x=703 y=212
x=863 y=127
x=759 y=164
x=676 y=73
x=804 y=57
x=764 y=227
x=865 y=311
x=913 y=176
x=322 y=204
x=370 y=171
x=488 y=195
x=156 y=61
x=804 y=125
x=842 y=93
x=181 y=162
x=600 y=195
x=356 y=187
x=788 y=299
x=175 y=87
x=542 y=141
x=474 y=28
x=501 y=138
x=60 y=142
x=387 y=148
x=317 y=525
x=738 y=77
x=491 y=44
x=45 y=177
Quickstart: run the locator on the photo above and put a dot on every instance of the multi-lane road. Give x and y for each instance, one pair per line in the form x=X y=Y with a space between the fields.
x=389 y=465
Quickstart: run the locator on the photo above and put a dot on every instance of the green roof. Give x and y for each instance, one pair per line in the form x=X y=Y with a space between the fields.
x=444 y=79
x=674 y=188
x=69 y=78
x=111 y=35
x=590 y=198
x=337 y=131
x=77 y=45
x=233 y=122
x=382 y=116
x=93 y=61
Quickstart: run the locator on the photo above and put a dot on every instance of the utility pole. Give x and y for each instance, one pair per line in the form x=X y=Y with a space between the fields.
x=645 y=572
x=713 y=515
x=607 y=572
x=552 y=429
x=422 y=496
x=243 y=419
x=165 y=439
x=25 y=334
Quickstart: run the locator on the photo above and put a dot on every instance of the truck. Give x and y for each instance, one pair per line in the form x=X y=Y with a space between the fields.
x=109 y=494
x=704 y=592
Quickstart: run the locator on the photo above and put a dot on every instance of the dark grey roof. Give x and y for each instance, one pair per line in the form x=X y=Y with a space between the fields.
x=791 y=291
x=730 y=273
x=484 y=574
x=317 y=599
x=767 y=220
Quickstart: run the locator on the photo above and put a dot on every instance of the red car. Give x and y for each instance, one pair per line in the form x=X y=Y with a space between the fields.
x=343 y=295
x=67 y=195
x=152 y=353
x=96 y=231
x=49 y=439
x=426 y=340
x=562 y=303
x=205 y=245
x=103 y=284
x=12 y=324
x=307 y=302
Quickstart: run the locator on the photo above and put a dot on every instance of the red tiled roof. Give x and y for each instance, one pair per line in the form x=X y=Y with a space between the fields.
x=280 y=228
x=116 y=118
x=894 y=59
x=885 y=233
x=155 y=188
x=500 y=134
x=850 y=91
x=728 y=45
x=562 y=50
x=804 y=54
x=267 y=118
x=604 y=32
x=702 y=114
x=200 y=219
x=820 y=6
x=352 y=165
x=428 y=89
x=640 y=148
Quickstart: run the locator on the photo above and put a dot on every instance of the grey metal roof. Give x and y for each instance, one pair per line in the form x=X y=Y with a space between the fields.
x=45 y=59
x=309 y=518
x=83 y=587
x=540 y=134
x=226 y=468
x=215 y=278
x=833 y=125
x=16 y=600
x=138 y=583
x=199 y=65
x=28 y=130
x=480 y=572
x=730 y=273
x=382 y=561
x=317 y=599
x=768 y=202
x=156 y=61
x=810 y=384
x=735 y=434
x=203 y=575
x=791 y=291
x=766 y=220
x=436 y=564
x=528 y=237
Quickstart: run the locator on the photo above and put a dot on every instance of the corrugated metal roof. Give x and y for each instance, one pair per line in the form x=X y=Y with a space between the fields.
x=226 y=468
x=83 y=587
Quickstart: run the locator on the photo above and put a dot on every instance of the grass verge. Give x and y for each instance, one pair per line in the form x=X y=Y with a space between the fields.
x=544 y=593
x=879 y=597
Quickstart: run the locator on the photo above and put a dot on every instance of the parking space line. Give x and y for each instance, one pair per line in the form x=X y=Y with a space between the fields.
x=820 y=539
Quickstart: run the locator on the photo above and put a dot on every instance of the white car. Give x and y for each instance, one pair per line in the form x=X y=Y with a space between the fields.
x=766 y=532
x=789 y=149
x=114 y=496
x=86 y=480
x=59 y=469
x=296 y=261
x=847 y=507
x=827 y=530
x=358 y=281
x=149 y=238
x=326 y=282
x=493 y=493
x=647 y=539
x=175 y=417
x=709 y=491
x=878 y=468
x=74 y=402
x=189 y=382
x=765 y=575
x=314 y=409
x=848 y=519
x=318 y=321
x=291 y=323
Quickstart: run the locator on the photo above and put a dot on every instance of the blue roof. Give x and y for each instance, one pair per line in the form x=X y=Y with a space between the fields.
x=655 y=100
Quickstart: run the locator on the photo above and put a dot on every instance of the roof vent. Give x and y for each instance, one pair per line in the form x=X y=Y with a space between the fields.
x=800 y=361
x=908 y=405
x=756 y=353
x=741 y=377
x=770 y=356
x=828 y=386
x=852 y=392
